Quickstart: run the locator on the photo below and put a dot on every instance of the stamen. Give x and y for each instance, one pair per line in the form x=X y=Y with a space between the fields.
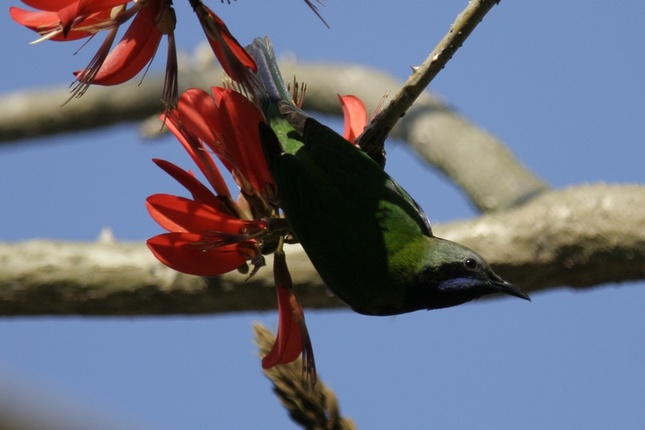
x=298 y=92
x=86 y=76
x=51 y=34
x=171 y=85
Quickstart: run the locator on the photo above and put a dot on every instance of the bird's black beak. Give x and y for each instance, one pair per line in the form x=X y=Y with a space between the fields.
x=502 y=286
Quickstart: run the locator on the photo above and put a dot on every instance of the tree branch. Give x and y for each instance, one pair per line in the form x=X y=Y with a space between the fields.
x=372 y=139
x=436 y=132
x=583 y=236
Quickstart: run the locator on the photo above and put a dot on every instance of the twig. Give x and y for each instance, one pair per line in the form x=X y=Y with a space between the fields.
x=372 y=140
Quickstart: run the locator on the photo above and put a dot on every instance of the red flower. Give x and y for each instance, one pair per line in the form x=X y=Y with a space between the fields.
x=68 y=19
x=64 y=20
x=293 y=336
x=227 y=123
x=203 y=240
x=234 y=59
x=211 y=233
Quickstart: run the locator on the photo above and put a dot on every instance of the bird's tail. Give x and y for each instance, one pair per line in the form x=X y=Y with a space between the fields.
x=274 y=98
x=269 y=87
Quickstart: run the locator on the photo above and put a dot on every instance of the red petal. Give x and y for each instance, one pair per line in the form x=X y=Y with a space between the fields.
x=201 y=157
x=51 y=5
x=239 y=120
x=293 y=337
x=45 y=23
x=69 y=13
x=81 y=9
x=234 y=59
x=178 y=214
x=191 y=253
x=203 y=116
x=198 y=111
x=66 y=17
x=355 y=116
x=288 y=343
x=199 y=191
x=83 y=5
x=132 y=53
x=36 y=21
x=219 y=93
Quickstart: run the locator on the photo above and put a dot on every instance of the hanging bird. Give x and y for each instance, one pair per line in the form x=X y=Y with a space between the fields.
x=368 y=239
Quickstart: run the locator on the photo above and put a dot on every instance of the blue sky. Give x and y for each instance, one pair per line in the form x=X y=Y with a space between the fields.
x=561 y=85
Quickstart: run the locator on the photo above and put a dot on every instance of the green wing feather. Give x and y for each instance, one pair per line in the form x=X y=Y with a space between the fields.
x=360 y=229
x=349 y=215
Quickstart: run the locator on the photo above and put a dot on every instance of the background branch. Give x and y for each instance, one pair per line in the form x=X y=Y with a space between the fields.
x=582 y=237
x=469 y=155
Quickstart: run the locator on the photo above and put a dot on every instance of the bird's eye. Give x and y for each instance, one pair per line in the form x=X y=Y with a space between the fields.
x=470 y=263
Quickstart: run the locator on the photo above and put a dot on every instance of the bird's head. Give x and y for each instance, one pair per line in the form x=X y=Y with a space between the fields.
x=453 y=274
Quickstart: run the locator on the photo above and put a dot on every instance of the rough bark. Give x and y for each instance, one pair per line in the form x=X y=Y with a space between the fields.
x=581 y=237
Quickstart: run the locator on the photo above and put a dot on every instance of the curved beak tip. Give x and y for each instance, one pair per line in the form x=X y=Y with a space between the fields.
x=511 y=290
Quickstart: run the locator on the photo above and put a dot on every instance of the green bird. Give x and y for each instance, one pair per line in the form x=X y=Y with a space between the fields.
x=368 y=239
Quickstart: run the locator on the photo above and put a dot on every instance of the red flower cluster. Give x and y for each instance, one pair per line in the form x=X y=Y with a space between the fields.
x=211 y=233
x=214 y=234
x=66 y=20
x=224 y=233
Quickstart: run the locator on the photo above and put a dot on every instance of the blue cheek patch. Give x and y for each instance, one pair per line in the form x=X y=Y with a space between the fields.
x=457 y=284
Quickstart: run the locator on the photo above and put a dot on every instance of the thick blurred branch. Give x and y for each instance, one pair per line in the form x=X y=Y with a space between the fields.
x=582 y=237
x=435 y=131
